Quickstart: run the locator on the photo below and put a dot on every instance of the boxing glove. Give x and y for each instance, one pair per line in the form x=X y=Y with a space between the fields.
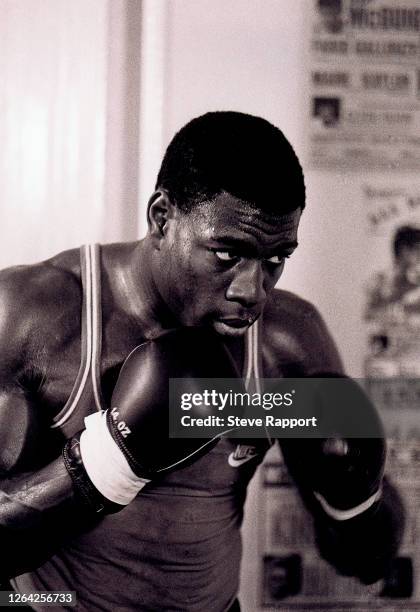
x=138 y=419
x=358 y=518
x=344 y=473
x=364 y=545
x=124 y=448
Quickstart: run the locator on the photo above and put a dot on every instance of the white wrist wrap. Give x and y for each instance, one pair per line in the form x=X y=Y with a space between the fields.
x=345 y=515
x=105 y=464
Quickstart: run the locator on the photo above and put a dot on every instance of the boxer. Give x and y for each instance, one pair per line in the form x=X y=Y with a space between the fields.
x=95 y=498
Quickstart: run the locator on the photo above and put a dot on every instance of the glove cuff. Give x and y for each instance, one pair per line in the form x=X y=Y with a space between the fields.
x=345 y=515
x=84 y=489
x=106 y=463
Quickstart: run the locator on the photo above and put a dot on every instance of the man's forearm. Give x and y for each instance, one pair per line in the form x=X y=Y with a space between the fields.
x=365 y=545
x=38 y=512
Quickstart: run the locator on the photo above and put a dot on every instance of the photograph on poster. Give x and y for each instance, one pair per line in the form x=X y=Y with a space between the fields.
x=201 y=189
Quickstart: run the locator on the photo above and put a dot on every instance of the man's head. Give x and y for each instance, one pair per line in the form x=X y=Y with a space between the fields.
x=407 y=253
x=236 y=153
x=223 y=219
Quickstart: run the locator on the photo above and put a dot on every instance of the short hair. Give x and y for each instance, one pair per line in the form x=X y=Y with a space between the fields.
x=406 y=236
x=241 y=154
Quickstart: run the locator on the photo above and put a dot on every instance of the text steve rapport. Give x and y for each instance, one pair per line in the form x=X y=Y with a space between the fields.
x=231 y=399
x=236 y=421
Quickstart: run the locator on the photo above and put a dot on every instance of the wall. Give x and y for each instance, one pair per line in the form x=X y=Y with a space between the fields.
x=68 y=124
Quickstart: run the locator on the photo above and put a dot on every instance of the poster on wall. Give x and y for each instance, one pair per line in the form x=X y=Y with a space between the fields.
x=364 y=84
x=392 y=324
x=392 y=283
x=294 y=578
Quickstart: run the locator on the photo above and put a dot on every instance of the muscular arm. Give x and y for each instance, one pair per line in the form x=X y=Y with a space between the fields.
x=37 y=499
x=363 y=545
x=37 y=507
x=120 y=451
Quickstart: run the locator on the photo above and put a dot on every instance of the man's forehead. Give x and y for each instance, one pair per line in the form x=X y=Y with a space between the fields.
x=228 y=215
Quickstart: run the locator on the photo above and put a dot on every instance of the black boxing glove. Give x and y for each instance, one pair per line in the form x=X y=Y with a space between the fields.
x=138 y=419
x=358 y=521
x=128 y=445
x=344 y=473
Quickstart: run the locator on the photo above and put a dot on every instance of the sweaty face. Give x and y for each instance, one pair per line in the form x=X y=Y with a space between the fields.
x=220 y=261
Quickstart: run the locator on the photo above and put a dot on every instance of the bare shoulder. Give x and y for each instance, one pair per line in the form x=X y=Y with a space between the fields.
x=40 y=318
x=40 y=303
x=296 y=338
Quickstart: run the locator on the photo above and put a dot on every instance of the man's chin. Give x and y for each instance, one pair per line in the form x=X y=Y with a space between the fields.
x=224 y=329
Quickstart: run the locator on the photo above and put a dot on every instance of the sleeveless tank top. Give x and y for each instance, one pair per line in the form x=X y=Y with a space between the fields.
x=177 y=545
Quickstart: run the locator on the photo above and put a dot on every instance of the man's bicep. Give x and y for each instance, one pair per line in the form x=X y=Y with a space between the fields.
x=20 y=442
x=20 y=432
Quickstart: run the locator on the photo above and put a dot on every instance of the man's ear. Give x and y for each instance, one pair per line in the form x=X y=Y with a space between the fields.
x=159 y=210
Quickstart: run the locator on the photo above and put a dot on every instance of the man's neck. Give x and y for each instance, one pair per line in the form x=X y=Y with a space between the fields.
x=134 y=291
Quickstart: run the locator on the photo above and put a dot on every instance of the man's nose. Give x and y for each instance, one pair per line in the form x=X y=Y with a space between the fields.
x=247 y=286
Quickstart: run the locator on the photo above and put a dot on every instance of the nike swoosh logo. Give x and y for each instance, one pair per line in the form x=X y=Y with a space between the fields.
x=237 y=462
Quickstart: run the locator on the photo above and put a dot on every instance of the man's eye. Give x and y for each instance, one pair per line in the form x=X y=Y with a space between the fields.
x=225 y=255
x=277 y=259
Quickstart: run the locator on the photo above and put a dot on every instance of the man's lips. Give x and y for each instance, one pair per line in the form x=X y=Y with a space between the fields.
x=238 y=323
